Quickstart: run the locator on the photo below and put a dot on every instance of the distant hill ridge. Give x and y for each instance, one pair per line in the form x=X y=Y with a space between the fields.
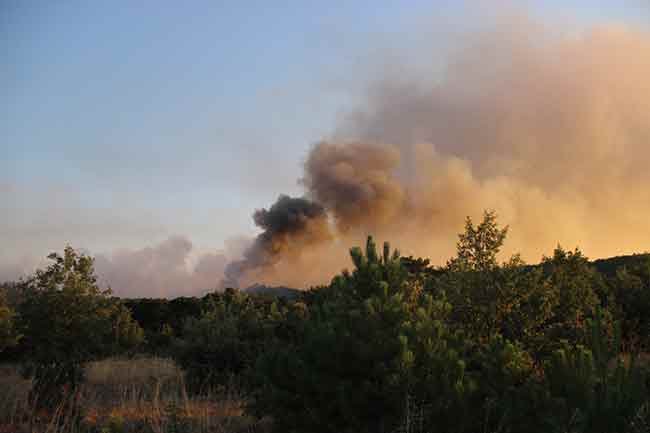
x=609 y=265
x=280 y=291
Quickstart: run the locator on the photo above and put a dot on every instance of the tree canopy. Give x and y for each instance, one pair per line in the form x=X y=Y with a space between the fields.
x=66 y=320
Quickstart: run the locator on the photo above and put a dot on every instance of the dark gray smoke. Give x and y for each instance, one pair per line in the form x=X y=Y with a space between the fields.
x=289 y=226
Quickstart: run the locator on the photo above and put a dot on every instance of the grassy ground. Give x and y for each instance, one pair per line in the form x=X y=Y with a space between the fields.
x=143 y=395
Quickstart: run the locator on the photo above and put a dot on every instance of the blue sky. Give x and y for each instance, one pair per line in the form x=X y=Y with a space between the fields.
x=125 y=122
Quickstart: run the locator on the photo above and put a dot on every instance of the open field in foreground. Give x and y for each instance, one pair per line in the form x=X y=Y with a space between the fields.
x=143 y=395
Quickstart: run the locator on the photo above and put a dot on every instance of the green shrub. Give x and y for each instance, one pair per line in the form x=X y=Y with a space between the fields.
x=8 y=334
x=594 y=389
x=631 y=289
x=488 y=298
x=372 y=342
x=66 y=321
x=221 y=346
x=574 y=283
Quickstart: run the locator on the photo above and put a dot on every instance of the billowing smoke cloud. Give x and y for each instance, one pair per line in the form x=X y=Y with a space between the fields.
x=171 y=268
x=289 y=226
x=164 y=270
x=356 y=183
x=551 y=131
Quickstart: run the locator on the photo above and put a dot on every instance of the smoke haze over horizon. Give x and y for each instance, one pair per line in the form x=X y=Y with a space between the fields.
x=551 y=132
x=546 y=126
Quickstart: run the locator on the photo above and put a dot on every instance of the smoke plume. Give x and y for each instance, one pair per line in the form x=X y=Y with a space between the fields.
x=552 y=131
x=356 y=182
x=289 y=226
x=162 y=271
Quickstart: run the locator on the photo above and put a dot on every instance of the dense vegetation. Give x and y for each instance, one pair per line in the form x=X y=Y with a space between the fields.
x=393 y=345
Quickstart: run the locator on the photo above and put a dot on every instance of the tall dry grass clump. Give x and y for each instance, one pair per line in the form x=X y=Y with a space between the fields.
x=140 y=395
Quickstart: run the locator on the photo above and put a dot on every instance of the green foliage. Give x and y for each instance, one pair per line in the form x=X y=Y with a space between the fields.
x=595 y=389
x=507 y=393
x=393 y=345
x=439 y=379
x=630 y=286
x=8 y=334
x=536 y=306
x=67 y=320
x=488 y=298
x=396 y=345
x=371 y=343
x=573 y=284
x=223 y=344
x=479 y=246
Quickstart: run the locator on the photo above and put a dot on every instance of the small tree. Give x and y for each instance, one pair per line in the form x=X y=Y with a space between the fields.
x=373 y=343
x=478 y=246
x=488 y=297
x=631 y=288
x=479 y=288
x=573 y=283
x=223 y=344
x=67 y=320
x=8 y=335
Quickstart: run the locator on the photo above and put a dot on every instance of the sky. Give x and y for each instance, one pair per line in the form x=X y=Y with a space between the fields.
x=125 y=123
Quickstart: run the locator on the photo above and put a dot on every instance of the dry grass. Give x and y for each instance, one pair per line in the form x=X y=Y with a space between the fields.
x=143 y=395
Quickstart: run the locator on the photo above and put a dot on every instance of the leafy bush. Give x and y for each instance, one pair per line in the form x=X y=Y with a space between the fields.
x=509 y=299
x=594 y=389
x=372 y=342
x=66 y=320
x=8 y=335
x=574 y=284
x=631 y=289
x=223 y=344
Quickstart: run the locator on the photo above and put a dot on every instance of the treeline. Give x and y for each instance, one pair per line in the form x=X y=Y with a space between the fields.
x=393 y=345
